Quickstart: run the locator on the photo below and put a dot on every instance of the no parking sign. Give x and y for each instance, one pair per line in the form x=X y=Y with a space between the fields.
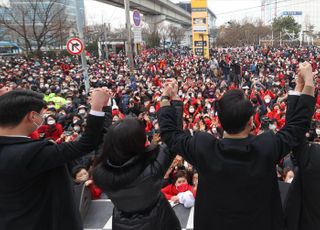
x=136 y=18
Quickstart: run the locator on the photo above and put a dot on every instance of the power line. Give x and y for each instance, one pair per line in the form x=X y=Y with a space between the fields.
x=255 y=7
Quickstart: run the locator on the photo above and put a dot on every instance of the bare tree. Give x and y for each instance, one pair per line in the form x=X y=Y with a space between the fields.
x=37 y=22
x=246 y=32
x=5 y=34
x=308 y=27
x=119 y=33
x=151 y=35
x=176 y=33
x=96 y=32
x=163 y=33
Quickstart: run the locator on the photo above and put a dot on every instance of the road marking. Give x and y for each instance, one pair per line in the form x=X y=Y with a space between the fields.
x=108 y=225
x=190 y=220
x=102 y=200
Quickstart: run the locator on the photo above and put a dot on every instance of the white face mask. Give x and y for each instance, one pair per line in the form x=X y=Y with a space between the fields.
x=318 y=132
x=82 y=111
x=84 y=178
x=77 y=128
x=191 y=110
x=267 y=100
x=152 y=110
x=272 y=127
x=51 y=122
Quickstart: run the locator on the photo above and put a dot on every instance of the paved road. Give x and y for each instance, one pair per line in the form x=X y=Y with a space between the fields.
x=99 y=216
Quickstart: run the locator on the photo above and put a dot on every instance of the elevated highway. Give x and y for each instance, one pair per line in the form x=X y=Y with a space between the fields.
x=156 y=11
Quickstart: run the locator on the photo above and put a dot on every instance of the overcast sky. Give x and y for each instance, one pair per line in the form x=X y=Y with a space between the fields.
x=225 y=10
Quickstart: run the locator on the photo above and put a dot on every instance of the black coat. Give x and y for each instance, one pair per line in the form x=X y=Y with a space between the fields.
x=35 y=191
x=238 y=186
x=302 y=206
x=135 y=190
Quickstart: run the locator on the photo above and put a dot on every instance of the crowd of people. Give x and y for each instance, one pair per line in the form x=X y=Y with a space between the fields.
x=264 y=74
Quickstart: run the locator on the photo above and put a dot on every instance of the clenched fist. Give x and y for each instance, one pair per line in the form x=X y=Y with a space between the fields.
x=171 y=89
x=99 y=98
x=305 y=73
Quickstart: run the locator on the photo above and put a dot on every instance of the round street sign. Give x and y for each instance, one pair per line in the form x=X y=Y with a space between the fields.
x=136 y=18
x=75 y=46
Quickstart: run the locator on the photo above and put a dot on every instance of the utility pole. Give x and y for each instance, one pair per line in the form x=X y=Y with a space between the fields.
x=129 y=39
x=259 y=40
x=80 y=24
x=99 y=48
x=106 y=49
x=280 y=38
x=276 y=9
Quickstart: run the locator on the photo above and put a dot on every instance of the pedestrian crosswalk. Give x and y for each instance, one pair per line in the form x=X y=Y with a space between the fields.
x=99 y=216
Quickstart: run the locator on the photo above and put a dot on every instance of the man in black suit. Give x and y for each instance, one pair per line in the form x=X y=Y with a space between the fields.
x=238 y=187
x=302 y=207
x=35 y=191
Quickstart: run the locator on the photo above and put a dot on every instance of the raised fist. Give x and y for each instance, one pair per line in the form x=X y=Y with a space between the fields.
x=99 y=98
x=305 y=73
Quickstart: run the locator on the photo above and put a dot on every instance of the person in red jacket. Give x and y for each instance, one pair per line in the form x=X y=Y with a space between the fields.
x=81 y=175
x=180 y=191
x=35 y=135
x=51 y=129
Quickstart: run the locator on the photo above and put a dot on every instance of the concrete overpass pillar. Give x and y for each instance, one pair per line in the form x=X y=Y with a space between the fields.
x=154 y=20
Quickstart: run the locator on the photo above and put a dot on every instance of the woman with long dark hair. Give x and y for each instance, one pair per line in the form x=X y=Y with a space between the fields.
x=131 y=175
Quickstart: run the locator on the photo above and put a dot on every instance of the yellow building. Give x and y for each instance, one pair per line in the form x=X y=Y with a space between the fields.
x=203 y=24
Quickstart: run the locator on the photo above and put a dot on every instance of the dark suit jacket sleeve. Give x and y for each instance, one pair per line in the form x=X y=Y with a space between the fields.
x=165 y=156
x=164 y=159
x=291 y=106
x=108 y=117
x=293 y=133
x=178 y=105
x=53 y=155
x=178 y=141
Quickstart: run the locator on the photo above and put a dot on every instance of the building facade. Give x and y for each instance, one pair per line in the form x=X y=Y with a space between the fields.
x=212 y=28
x=65 y=9
x=306 y=13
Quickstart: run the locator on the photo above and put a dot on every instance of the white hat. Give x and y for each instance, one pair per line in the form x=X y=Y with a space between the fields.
x=115 y=107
